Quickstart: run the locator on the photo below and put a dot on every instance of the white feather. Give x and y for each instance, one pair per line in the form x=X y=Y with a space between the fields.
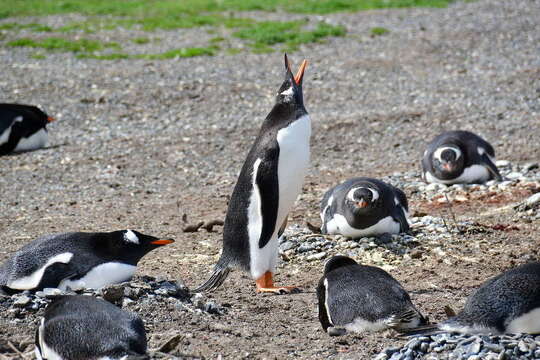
x=463 y=329
x=31 y=281
x=35 y=141
x=101 y=275
x=131 y=237
x=471 y=174
x=326 y=302
x=5 y=135
x=528 y=323
x=258 y=257
x=385 y=225
x=47 y=352
x=361 y=325
x=323 y=213
x=437 y=154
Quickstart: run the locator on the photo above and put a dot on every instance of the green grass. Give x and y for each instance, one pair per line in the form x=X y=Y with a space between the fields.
x=171 y=54
x=378 y=31
x=60 y=44
x=31 y=26
x=140 y=40
x=38 y=56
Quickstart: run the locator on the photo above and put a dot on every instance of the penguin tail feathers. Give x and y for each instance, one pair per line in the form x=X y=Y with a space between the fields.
x=430 y=329
x=217 y=278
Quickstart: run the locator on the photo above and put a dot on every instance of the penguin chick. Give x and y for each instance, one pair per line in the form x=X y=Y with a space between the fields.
x=84 y=327
x=364 y=207
x=76 y=260
x=507 y=303
x=269 y=182
x=361 y=298
x=459 y=157
x=22 y=128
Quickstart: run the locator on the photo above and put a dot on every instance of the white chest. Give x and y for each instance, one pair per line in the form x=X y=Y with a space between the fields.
x=101 y=275
x=471 y=174
x=34 y=141
x=385 y=225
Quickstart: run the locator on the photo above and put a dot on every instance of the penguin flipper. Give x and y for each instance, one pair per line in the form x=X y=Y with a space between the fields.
x=491 y=167
x=217 y=278
x=268 y=185
x=323 y=311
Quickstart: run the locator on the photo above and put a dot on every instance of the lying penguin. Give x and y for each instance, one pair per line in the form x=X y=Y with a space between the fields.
x=459 y=157
x=364 y=207
x=76 y=260
x=84 y=327
x=22 y=128
x=509 y=303
x=361 y=298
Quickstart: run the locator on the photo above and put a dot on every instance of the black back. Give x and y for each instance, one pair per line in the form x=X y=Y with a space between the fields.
x=84 y=327
x=503 y=298
x=235 y=231
x=468 y=143
x=33 y=120
x=359 y=291
x=88 y=249
x=383 y=207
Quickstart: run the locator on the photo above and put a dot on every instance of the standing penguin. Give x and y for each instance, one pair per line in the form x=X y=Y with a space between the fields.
x=361 y=298
x=269 y=182
x=84 y=327
x=76 y=260
x=22 y=128
x=507 y=303
x=459 y=157
x=364 y=207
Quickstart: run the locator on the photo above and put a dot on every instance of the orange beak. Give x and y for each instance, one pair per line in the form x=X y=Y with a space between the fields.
x=362 y=204
x=300 y=73
x=50 y=119
x=447 y=167
x=162 y=242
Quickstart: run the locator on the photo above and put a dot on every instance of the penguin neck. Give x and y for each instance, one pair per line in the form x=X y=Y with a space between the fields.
x=283 y=114
x=110 y=247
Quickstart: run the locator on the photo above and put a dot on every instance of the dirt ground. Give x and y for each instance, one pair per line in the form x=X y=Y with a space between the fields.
x=160 y=147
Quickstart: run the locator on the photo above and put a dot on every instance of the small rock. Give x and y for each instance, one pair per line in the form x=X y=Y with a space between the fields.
x=502 y=163
x=21 y=301
x=317 y=256
x=533 y=200
x=113 y=293
x=530 y=166
x=287 y=245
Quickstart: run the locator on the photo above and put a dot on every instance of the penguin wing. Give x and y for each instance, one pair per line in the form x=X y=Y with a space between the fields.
x=491 y=167
x=268 y=186
x=323 y=310
x=399 y=209
x=327 y=210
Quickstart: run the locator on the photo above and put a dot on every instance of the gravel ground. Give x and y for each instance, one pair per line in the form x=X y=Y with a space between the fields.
x=157 y=145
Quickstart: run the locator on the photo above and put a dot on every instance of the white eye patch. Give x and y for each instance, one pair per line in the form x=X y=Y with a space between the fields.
x=374 y=193
x=130 y=236
x=18 y=119
x=439 y=151
x=288 y=92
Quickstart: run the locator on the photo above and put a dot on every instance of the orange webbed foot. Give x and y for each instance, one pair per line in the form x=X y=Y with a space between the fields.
x=265 y=284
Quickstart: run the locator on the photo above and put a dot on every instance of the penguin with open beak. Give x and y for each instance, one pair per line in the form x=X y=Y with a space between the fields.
x=269 y=183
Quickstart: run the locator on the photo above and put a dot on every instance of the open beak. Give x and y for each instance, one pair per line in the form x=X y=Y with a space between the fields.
x=50 y=119
x=362 y=203
x=300 y=74
x=162 y=242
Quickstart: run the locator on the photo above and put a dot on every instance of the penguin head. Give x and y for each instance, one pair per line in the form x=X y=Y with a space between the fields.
x=448 y=160
x=337 y=262
x=362 y=199
x=290 y=91
x=130 y=246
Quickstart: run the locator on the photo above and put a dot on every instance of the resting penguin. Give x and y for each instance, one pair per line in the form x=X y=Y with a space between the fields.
x=76 y=260
x=364 y=207
x=507 y=303
x=361 y=298
x=22 y=128
x=84 y=327
x=459 y=157
x=269 y=182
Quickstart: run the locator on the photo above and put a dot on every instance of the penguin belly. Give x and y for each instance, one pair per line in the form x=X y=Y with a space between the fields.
x=293 y=163
x=472 y=174
x=385 y=225
x=35 y=141
x=100 y=276
x=528 y=323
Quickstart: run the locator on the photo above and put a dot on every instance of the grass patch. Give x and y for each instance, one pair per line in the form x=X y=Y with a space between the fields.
x=164 y=8
x=378 y=31
x=32 y=26
x=140 y=40
x=59 y=44
x=171 y=54
x=264 y=34
x=38 y=56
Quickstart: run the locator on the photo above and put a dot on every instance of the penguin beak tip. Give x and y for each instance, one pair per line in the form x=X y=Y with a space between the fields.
x=162 y=242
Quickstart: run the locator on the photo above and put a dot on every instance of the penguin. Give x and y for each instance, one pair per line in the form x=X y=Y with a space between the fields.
x=459 y=157
x=76 y=260
x=361 y=298
x=85 y=327
x=508 y=303
x=22 y=128
x=269 y=182
x=364 y=207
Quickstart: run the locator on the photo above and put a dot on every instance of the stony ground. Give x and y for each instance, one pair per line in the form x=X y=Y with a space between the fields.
x=157 y=145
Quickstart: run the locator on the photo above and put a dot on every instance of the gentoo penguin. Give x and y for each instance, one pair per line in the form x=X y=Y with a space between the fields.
x=84 y=327
x=364 y=207
x=459 y=157
x=507 y=303
x=269 y=182
x=76 y=260
x=22 y=128
x=361 y=298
